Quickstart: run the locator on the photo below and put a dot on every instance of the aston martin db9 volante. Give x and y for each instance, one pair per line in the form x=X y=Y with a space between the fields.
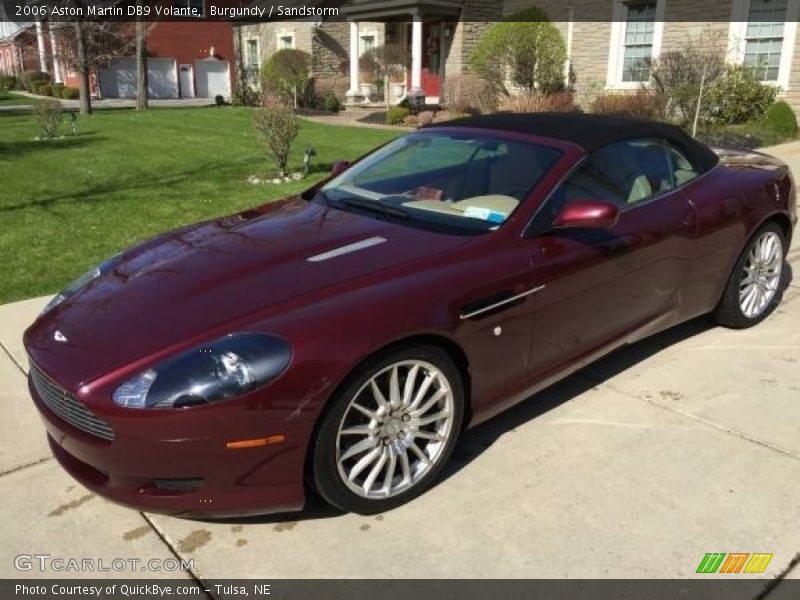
x=341 y=340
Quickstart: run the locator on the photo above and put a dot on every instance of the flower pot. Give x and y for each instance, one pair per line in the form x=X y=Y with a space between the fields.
x=367 y=90
x=398 y=89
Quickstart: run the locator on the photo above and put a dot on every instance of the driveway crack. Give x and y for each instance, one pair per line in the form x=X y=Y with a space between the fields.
x=14 y=360
x=770 y=587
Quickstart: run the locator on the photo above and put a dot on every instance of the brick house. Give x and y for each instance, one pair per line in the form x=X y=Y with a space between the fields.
x=610 y=42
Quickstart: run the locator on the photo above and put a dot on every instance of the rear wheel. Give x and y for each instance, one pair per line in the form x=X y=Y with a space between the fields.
x=753 y=290
x=390 y=431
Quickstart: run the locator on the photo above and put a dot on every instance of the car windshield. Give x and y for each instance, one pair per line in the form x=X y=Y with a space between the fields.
x=461 y=182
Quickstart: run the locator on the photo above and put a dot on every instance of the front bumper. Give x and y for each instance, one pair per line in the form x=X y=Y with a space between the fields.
x=221 y=482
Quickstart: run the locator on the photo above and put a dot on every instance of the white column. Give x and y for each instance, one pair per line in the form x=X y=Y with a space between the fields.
x=416 y=54
x=354 y=92
x=40 y=42
x=54 y=51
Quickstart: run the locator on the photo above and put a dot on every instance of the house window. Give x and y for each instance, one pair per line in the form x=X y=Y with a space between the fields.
x=637 y=27
x=197 y=5
x=367 y=43
x=285 y=41
x=252 y=56
x=638 y=42
x=763 y=41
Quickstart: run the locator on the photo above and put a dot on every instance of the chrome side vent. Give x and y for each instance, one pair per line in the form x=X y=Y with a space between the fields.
x=67 y=406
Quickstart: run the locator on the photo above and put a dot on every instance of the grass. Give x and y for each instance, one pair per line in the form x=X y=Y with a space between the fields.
x=67 y=203
x=12 y=99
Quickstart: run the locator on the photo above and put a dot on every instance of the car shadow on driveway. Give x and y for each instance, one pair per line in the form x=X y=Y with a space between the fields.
x=477 y=440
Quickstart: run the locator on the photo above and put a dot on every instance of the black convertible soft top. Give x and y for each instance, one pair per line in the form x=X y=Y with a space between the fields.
x=591 y=132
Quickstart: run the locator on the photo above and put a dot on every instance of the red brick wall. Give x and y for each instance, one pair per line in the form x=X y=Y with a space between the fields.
x=188 y=42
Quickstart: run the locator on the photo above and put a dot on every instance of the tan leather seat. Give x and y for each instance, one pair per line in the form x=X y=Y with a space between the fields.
x=504 y=205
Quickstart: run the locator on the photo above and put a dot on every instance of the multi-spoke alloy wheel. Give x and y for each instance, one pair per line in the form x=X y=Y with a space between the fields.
x=390 y=431
x=754 y=288
x=762 y=274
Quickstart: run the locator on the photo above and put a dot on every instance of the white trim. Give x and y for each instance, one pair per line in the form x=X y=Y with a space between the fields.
x=616 y=51
x=341 y=250
x=737 y=32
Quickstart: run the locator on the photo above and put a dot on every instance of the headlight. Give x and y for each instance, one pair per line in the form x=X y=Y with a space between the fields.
x=228 y=367
x=83 y=280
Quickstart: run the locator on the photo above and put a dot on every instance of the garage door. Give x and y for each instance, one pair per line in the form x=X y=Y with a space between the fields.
x=118 y=79
x=212 y=78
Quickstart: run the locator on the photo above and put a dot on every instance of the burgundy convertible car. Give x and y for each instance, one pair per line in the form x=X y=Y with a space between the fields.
x=341 y=340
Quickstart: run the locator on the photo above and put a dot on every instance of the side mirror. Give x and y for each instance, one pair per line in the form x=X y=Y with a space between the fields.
x=587 y=214
x=339 y=166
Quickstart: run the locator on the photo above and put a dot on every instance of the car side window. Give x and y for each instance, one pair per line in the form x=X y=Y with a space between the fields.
x=624 y=174
x=682 y=169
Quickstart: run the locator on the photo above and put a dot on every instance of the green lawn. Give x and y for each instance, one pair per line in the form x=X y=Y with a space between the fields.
x=12 y=99
x=67 y=203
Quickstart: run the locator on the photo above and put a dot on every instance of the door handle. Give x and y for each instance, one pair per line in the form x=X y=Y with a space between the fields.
x=496 y=302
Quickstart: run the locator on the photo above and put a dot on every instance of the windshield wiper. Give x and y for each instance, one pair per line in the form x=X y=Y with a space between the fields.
x=375 y=206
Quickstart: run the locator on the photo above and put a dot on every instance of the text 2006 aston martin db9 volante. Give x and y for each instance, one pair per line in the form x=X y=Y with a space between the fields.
x=342 y=339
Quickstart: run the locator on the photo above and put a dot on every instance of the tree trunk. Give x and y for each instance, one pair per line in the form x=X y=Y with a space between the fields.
x=699 y=104
x=83 y=69
x=141 y=62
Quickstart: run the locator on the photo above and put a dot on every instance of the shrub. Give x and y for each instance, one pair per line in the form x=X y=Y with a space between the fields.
x=286 y=74
x=244 y=95
x=526 y=47
x=746 y=136
x=70 y=93
x=738 y=97
x=278 y=126
x=48 y=117
x=396 y=115
x=57 y=89
x=469 y=94
x=641 y=105
x=34 y=78
x=538 y=102
x=45 y=89
x=781 y=119
x=332 y=103
x=8 y=82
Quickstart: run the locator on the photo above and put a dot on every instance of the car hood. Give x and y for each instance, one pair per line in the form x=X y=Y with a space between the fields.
x=185 y=283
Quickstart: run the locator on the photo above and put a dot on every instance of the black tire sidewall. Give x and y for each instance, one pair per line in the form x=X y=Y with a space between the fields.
x=324 y=470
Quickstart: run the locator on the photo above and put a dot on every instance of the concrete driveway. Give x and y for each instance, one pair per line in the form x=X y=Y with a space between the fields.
x=636 y=467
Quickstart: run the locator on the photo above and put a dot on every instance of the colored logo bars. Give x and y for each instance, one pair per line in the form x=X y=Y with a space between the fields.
x=735 y=562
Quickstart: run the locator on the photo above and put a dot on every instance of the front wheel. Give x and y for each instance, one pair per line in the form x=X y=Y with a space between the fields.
x=753 y=290
x=390 y=431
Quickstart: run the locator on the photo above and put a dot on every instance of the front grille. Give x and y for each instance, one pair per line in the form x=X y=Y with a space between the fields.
x=67 y=406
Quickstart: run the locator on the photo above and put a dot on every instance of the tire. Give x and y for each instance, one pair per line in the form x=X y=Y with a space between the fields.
x=754 y=287
x=355 y=449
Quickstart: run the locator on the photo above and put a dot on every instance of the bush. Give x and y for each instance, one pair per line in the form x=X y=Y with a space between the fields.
x=278 y=126
x=469 y=94
x=57 y=89
x=396 y=115
x=70 y=93
x=738 y=97
x=45 y=89
x=746 y=136
x=286 y=74
x=527 y=47
x=538 y=102
x=48 y=117
x=34 y=78
x=8 y=82
x=641 y=105
x=781 y=119
x=332 y=104
x=244 y=95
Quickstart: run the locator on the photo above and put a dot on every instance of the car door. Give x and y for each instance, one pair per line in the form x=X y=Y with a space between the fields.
x=603 y=284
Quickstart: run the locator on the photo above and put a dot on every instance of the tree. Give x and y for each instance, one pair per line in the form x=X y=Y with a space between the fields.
x=525 y=50
x=285 y=73
x=141 y=61
x=277 y=124
x=685 y=76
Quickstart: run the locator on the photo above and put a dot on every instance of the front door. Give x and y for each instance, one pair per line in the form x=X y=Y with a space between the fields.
x=602 y=285
x=431 y=58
